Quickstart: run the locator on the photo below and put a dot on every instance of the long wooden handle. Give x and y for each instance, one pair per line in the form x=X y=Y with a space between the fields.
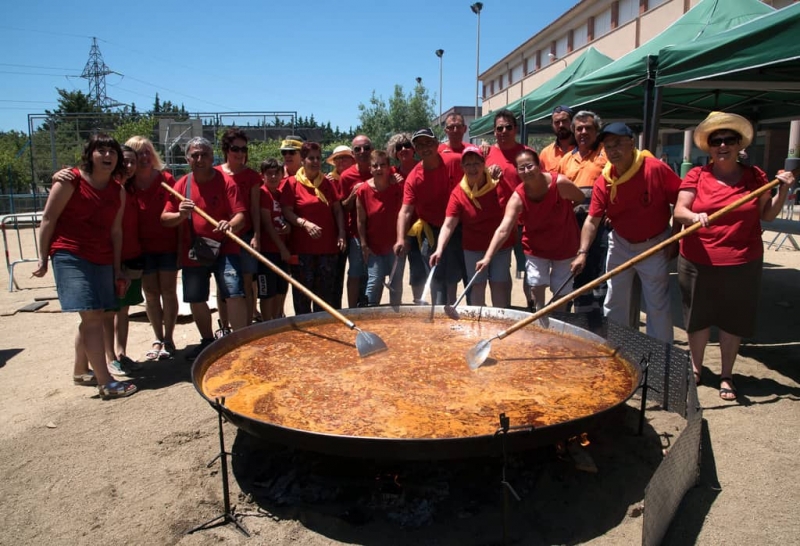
x=635 y=260
x=280 y=272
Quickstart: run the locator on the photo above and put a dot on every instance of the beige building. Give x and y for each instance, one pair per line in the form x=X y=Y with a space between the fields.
x=614 y=27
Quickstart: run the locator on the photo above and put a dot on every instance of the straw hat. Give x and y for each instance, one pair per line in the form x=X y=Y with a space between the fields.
x=339 y=151
x=718 y=121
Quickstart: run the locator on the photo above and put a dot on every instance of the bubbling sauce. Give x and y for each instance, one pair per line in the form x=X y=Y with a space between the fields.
x=311 y=378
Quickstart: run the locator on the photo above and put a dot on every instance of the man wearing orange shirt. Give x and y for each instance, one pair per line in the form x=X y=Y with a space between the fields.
x=551 y=155
x=583 y=165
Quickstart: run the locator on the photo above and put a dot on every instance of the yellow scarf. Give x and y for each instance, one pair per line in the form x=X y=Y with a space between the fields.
x=420 y=228
x=638 y=160
x=300 y=176
x=491 y=184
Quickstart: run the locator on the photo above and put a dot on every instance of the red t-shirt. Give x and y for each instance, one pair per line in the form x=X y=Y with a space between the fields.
x=479 y=225
x=429 y=190
x=305 y=204
x=131 y=247
x=506 y=160
x=641 y=210
x=245 y=179
x=154 y=237
x=84 y=226
x=220 y=199
x=271 y=202
x=735 y=238
x=382 y=208
x=445 y=148
x=350 y=177
x=549 y=229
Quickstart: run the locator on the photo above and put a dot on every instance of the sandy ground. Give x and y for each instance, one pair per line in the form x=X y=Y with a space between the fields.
x=78 y=470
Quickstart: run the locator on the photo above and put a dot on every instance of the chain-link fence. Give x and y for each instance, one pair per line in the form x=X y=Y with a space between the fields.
x=57 y=140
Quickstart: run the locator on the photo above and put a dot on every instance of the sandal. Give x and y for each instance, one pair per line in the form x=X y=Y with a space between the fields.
x=727 y=393
x=85 y=379
x=167 y=351
x=116 y=389
x=155 y=352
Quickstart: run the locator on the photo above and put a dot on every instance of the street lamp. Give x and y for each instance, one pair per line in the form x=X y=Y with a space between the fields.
x=476 y=9
x=440 y=53
x=554 y=58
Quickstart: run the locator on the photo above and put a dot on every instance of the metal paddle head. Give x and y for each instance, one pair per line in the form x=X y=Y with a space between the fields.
x=450 y=311
x=479 y=353
x=369 y=343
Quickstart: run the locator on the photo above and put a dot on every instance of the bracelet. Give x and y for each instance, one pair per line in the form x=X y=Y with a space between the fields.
x=581 y=251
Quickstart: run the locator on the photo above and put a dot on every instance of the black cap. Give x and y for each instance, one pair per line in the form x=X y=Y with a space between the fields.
x=422 y=133
x=563 y=108
x=617 y=128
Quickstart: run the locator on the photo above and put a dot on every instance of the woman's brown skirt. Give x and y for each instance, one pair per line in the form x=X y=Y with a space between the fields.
x=721 y=296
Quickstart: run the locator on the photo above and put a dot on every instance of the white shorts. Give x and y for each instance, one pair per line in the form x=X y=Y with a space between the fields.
x=544 y=272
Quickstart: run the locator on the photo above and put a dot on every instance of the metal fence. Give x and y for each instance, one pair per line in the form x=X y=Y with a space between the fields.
x=57 y=140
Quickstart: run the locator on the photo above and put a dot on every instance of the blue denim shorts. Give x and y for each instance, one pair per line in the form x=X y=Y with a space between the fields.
x=227 y=272
x=357 y=266
x=82 y=285
x=160 y=261
x=248 y=261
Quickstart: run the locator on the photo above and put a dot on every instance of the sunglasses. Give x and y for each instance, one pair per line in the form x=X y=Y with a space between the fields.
x=364 y=148
x=716 y=142
x=503 y=128
x=237 y=149
x=288 y=152
x=403 y=146
x=454 y=126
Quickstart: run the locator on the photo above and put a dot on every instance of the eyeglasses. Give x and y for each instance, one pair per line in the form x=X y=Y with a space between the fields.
x=200 y=155
x=527 y=167
x=237 y=149
x=288 y=152
x=716 y=142
x=379 y=165
x=364 y=148
x=403 y=146
x=454 y=126
x=503 y=128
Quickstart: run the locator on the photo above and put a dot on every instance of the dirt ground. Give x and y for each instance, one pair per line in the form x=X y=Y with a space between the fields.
x=78 y=470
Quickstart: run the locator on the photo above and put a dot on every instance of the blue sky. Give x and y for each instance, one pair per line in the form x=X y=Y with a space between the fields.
x=311 y=57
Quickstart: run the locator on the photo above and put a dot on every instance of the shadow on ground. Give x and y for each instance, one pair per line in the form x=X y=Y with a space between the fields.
x=369 y=501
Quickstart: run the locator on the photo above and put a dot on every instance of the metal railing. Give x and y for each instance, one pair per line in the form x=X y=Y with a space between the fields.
x=20 y=224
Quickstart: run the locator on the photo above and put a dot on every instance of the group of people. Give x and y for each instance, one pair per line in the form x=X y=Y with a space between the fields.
x=454 y=211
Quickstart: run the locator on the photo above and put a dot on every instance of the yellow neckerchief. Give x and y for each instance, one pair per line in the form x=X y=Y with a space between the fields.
x=333 y=174
x=420 y=228
x=638 y=160
x=300 y=176
x=491 y=184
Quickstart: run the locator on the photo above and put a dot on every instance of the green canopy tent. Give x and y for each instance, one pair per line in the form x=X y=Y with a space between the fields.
x=586 y=63
x=622 y=89
x=752 y=70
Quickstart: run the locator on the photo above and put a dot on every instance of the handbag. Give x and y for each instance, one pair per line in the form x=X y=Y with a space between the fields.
x=202 y=250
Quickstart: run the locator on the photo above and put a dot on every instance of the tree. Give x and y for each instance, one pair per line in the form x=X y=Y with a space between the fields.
x=15 y=166
x=144 y=126
x=405 y=113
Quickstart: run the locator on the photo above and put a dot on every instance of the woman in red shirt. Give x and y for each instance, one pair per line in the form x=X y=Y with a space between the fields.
x=477 y=203
x=544 y=203
x=82 y=233
x=719 y=267
x=159 y=248
x=311 y=205
x=234 y=150
x=378 y=203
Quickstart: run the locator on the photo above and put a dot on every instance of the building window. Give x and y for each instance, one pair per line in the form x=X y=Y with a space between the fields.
x=516 y=74
x=628 y=11
x=651 y=4
x=602 y=24
x=500 y=83
x=561 y=47
x=538 y=59
x=491 y=88
x=580 y=36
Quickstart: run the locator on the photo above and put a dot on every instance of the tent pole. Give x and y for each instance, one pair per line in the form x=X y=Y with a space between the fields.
x=652 y=138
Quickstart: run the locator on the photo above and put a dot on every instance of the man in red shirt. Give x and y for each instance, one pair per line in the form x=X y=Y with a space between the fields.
x=503 y=154
x=635 y=192
x=427 y=190
x=455 y=128
x=218 y=196
x=352 y=179
x=551 y=155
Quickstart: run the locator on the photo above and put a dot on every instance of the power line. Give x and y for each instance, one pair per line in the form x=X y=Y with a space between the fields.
x=38 y=67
